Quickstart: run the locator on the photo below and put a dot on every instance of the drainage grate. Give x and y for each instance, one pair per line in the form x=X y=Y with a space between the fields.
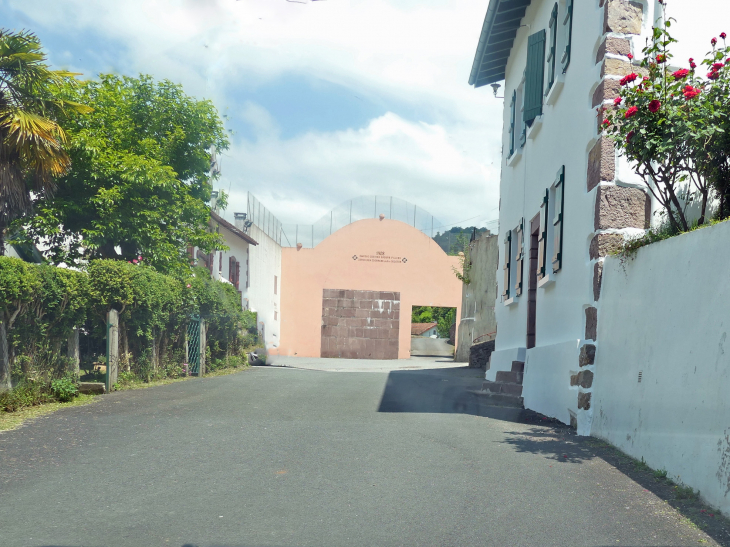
x=640 y=374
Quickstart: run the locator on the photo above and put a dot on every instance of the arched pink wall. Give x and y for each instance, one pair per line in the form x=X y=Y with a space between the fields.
x=426 y=278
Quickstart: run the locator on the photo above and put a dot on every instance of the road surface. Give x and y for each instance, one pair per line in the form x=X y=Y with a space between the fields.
x=281 y=456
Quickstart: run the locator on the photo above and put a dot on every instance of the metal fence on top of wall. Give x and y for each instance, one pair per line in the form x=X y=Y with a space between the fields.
x=361 y=208
x=264 y=219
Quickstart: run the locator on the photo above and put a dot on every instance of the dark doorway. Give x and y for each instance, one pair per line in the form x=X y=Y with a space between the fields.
x=532 y=282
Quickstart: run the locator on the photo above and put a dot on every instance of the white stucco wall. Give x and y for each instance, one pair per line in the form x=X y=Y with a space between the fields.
x=265 y=265
x=665 y=314
x=564 y=135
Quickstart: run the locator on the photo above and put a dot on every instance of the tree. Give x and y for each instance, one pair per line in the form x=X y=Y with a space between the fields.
x=31 y=140
x=140 y=176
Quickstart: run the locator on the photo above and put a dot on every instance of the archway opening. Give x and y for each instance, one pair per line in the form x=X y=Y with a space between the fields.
x=432 y=331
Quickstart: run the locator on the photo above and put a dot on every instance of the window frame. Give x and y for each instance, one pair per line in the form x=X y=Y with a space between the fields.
x=519 y=257
x=568 y=25
x=506 y=267
x=558 y=220
x=543 y=237
x=552 y=55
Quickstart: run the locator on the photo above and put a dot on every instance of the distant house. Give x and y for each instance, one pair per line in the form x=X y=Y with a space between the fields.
x=424 y=329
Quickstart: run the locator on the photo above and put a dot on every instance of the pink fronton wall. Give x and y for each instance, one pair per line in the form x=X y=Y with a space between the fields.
x=368 y=255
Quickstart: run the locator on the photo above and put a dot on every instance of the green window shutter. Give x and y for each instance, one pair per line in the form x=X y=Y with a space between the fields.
x=568 y=26
x=512 y=121
x=534 y=76
x=542 y=238
x=519 y=256
x=558 y=220
x=552 y=52
x=507 y=256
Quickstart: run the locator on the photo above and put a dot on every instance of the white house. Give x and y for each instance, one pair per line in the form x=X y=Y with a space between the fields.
x=566 y=201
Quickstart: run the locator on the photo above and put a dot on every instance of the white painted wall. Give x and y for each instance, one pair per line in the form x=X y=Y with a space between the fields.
x=564 y=136
x=264 y=266
x=665 y=314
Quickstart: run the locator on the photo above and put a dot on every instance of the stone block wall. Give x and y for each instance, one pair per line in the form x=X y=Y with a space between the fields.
x=619 y=210
x=360 y=324
x=479 y=354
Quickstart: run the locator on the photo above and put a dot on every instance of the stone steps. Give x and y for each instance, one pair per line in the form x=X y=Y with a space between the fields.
x=507 y=389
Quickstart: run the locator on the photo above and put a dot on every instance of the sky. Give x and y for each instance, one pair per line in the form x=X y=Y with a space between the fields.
x=325 y=100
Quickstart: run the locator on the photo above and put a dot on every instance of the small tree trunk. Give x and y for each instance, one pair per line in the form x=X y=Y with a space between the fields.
x=4 y=358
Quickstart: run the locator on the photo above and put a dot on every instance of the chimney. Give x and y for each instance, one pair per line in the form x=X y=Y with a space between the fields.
x=239 y=219
x=214 y=201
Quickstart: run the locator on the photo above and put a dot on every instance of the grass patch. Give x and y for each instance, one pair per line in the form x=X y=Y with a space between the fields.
x=629 y=248
x=13 y=420
x=660 y=474
x=682 y=492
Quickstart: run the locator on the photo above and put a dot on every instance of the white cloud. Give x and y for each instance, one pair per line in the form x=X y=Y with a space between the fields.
x=300 y=179
x=412 y=52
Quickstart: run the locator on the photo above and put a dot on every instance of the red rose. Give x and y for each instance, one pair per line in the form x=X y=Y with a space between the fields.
x=606 y=122
x=617 y=101
x=680 y=74
x=718 y=66
x=691 y=60
x=691 y=92
x=654 y=106
x=727 y=61
x=692 y=65
x=630 y=56
x=629 y=136
x=723 y=35
x=628 y=78
x=713 y=42
x=714 y=75
x=631 y=111
x=661 y=58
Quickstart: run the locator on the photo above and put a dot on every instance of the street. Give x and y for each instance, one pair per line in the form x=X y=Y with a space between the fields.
x=284 y=456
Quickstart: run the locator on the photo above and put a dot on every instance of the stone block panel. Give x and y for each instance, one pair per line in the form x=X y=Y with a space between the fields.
x=583 y=379
x=623 y=17
x=587 y=355
x=601 y=163
x=605 y=244
x=584 y=401
x=618 y=207
x=360 y=324
x=591 y=323
x=617 y=46
x=597 y=280
x=616 y=67
x=608 y=89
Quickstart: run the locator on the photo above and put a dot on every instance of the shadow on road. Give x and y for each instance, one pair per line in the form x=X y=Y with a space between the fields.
x=447 y=391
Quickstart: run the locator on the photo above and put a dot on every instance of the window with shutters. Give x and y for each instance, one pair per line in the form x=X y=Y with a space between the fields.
x=512 y=122
x=507 y=257
x=542 y=239
x=552 y=51
x=559 y=193
x=232 y=269
x=519 y=256
x=534 y=77
x=568 y=35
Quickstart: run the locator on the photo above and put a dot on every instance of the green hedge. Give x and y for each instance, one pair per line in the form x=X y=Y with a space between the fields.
x=41 y=305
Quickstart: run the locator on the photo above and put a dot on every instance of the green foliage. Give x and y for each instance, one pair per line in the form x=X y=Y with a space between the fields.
x=46 y=303
x=673 y=126
x=660 y=474
x=64 y=389
x=443 y=317
x=26 y=394
x=682 y=492
x=449 y=240
x=139 y=178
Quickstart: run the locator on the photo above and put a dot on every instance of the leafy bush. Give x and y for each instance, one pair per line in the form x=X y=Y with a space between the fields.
x=26 y=394
x=65 y=389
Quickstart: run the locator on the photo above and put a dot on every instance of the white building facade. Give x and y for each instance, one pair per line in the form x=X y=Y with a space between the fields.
x=566 y=201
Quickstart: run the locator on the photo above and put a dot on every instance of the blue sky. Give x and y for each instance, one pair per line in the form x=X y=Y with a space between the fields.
x=326 y=100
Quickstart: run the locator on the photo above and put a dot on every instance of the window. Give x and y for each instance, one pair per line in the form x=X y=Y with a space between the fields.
x=276 y=282
x=512 y=120
x=553 y=51
x=558 y=220
x=519 y=256
x=542 y=239
x=534 y=77
x=507 y=256
x=568 y=32
x=248 y=282
x=276 y=315
x=234 y=271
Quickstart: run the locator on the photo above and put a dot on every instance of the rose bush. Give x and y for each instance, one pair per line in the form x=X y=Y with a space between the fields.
x=673 y=126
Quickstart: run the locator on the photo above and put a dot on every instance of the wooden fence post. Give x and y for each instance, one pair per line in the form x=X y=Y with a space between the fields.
x=4 y=359
x=112 y=349
x=203 y=342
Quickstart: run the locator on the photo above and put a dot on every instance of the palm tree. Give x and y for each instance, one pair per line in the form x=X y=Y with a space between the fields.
x=31 y=140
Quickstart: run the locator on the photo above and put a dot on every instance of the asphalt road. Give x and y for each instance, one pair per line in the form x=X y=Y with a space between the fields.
x=288 y=457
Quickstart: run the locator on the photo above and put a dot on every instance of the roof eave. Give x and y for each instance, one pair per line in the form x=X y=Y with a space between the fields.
x=231 y=228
